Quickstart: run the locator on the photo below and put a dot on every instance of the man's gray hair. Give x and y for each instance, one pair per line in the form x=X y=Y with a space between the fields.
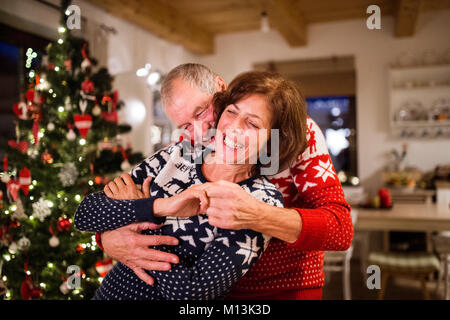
x=196 y=74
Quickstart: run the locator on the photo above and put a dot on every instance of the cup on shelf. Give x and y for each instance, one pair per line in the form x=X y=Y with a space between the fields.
x=430 y=57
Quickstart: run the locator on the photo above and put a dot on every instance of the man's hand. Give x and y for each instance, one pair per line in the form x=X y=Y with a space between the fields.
x=129 y=246
x=230 y=206
x=124 y=188
x=190 y=202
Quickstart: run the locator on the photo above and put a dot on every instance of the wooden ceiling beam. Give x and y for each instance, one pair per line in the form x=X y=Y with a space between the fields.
x=161 y=20
x=406 y=16
x=286 y=17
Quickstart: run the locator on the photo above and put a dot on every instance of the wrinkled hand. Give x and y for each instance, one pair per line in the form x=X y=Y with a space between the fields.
x=124 y=188
x=129 y=246
x=230 y=206
x=190 y=202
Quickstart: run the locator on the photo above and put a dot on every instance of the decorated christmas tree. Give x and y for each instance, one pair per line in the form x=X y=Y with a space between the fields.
x=67 y=145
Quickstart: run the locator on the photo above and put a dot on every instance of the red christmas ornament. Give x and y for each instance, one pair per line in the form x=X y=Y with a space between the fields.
x=64 y=224
x=68 y=64
x=103 y=267
x=47 y=157
x=83 y=123
x=87 y=86
x=13 y=188
x=5 y=163
x=22 y=146
x=80 y=249
x=28 y=291
x=30 y=95
x=25 y=180
x=21 y=110
x=35 y=130
x=110 y=116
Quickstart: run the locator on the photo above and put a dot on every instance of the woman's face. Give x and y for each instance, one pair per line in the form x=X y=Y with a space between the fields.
x=243 y=129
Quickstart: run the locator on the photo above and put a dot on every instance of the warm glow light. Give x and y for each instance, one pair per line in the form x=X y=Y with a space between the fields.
x=135 y=111
x=61 y=29
x=82 y=142
x=61 y=109
x=153 y=78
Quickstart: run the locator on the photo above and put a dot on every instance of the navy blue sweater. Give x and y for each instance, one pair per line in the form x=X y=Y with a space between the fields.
x=211 y=259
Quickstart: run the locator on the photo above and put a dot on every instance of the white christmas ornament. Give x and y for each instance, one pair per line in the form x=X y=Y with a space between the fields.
x=68 y=174
x=83 y=105
x=67 y=104
x=53 y=242
x=23 y=243
x=71 y=135
x=41 y=210
x=19 y=214
x=5 y=178
x=13 y=248
x=51 y=126
x=125 y=166
x=85 y=64
x=96 y=111
x=64 y=288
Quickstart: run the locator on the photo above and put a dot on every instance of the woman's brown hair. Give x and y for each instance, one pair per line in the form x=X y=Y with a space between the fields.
x=286 y=102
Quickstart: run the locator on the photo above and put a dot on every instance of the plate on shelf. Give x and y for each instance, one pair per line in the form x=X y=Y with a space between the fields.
x=412 y=110
x=440 y=110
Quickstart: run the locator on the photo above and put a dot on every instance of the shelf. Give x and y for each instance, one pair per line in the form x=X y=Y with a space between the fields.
x=424 y=88
x=419 y=124
x=432 y=67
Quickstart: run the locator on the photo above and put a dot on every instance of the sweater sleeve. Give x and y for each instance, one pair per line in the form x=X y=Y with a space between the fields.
x=227 y=258
x=320 y=202
x=99 y=213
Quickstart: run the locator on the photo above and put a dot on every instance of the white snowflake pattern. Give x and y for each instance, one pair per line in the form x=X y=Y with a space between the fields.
x=324 y=170
x=249 y=249
x=177 y=223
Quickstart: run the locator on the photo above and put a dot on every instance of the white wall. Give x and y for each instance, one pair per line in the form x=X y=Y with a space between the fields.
x=373 y=50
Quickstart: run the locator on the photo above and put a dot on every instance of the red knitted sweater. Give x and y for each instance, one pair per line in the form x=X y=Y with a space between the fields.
x=313 y=188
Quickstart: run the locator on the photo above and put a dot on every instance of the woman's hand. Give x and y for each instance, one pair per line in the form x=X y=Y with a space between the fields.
x=231 y=207
x=190 y=202
x=124 y=188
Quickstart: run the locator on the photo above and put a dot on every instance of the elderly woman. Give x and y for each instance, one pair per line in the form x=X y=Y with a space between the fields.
x=173 y=193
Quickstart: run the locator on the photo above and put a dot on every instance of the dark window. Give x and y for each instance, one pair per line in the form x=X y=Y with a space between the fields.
x=16 y=48
x=336 y=117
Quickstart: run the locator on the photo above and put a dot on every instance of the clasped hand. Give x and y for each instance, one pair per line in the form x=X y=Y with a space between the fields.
x=227 y=205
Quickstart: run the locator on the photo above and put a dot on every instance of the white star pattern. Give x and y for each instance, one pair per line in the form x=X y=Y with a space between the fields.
x=177 y=223
x=224 y=240
x=189 y=239
x=210 y=237
x=304 y=166
x=249 y=249
x=202 y=220
x=325 y=170
x=308 y=185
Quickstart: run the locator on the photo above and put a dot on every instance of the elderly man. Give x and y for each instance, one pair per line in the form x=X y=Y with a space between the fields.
x=316 y=216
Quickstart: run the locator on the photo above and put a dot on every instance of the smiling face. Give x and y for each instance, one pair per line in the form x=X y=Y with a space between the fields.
x=190 y=109
x=243 y=129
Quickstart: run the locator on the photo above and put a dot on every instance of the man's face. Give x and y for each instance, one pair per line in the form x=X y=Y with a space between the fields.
x=190 y=109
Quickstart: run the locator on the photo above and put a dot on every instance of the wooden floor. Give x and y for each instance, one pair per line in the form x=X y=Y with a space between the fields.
x=397 y=289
